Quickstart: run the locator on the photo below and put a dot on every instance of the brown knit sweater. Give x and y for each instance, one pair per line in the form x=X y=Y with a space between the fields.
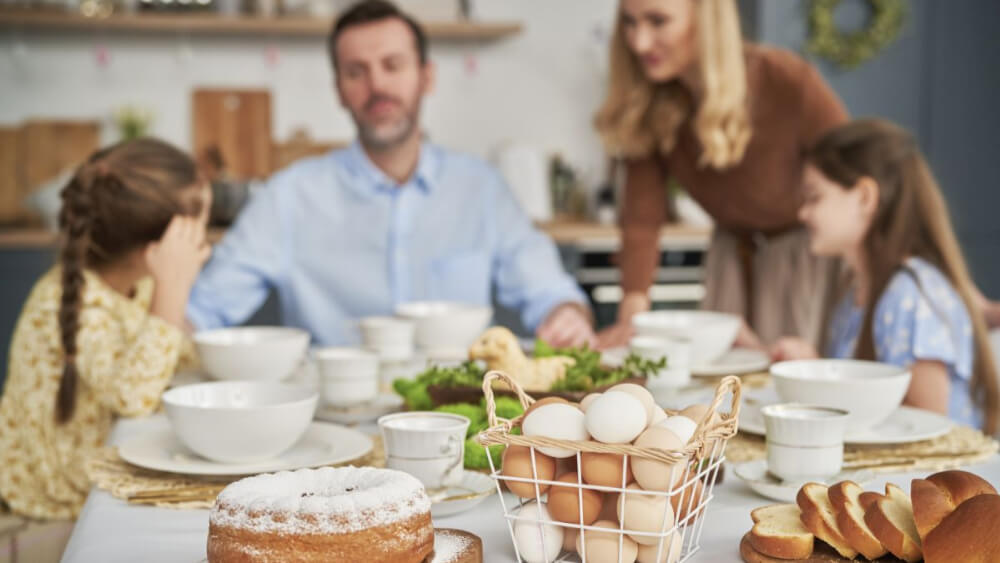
x=791 y=106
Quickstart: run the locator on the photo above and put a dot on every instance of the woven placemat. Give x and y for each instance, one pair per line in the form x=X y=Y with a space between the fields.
x=137 y=485
x=960 y=447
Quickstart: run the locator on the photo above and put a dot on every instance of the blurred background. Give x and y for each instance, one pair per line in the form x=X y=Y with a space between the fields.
x=246 y=86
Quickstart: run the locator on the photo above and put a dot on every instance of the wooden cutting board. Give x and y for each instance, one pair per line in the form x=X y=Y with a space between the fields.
x=238 y=122
x=822 y=553
x=36 y=152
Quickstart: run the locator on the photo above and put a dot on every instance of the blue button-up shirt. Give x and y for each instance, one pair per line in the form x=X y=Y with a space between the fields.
x=340 y=240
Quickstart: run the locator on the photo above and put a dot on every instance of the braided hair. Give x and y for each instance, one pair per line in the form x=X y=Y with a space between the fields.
x=122 y=198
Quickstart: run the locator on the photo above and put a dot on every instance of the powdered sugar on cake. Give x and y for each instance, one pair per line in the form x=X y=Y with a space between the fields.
x=320 y=501
x=447 y=547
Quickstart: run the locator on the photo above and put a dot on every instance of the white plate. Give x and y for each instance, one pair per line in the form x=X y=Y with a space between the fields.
x=905 y=424
x=756 y=476
x=385 y=403
x=734 y=362
x=322 y=444
x=470 y=492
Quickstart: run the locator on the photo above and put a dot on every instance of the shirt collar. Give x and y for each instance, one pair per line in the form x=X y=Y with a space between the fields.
x=370 y=179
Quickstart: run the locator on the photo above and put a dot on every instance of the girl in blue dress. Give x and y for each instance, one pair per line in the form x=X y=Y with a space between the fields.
x=871 y=199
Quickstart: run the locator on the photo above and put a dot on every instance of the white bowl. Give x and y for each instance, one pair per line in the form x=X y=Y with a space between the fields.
x=240 y=421
x=445 y=328
x=711 y=334
x=263 y=353
x=347 y=376
x=870 y=391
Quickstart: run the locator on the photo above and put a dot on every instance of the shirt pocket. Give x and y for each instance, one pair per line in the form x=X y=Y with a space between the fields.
x=463 y=277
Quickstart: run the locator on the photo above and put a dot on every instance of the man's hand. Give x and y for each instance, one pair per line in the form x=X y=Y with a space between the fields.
x=568 y=325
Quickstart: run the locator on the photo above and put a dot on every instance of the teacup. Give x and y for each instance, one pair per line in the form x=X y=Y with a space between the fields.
x=804 y=442
x=428 y=445
x=347 y=376
x=677 y=351
x=390 y=338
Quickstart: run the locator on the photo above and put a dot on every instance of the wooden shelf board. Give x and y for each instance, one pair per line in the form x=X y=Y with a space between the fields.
x=210 y=24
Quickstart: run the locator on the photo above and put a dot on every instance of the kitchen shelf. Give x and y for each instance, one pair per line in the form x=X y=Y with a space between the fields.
x=210 y=24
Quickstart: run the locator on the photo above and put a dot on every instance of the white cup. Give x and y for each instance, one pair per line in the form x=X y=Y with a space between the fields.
x=804 y=442
x=389 y=337
x=428 y=445
x=347 y=376
x=678 y=354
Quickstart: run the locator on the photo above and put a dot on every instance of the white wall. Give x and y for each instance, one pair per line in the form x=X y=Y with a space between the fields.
x=541 y=86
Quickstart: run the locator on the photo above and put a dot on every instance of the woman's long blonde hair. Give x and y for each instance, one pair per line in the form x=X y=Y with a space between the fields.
x=639 y=117
x=911 y=220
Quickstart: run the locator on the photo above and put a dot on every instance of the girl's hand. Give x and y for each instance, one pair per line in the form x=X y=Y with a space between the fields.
x=790 y=348
x=174 y=261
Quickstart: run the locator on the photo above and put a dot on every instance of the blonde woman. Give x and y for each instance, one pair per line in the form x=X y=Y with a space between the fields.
x=729 y=121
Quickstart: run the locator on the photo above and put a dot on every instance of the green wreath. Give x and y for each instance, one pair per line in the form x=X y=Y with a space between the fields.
x=850 y=49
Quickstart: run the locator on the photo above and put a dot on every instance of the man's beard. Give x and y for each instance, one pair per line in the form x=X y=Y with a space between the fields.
x=388 y=135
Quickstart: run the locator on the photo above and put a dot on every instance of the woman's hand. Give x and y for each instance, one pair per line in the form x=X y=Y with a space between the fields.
x=568 y=326
x=174 y=261
x=791 y=348
x=619 y=333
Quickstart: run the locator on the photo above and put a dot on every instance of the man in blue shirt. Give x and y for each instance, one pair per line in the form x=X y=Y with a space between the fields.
x=391 y=219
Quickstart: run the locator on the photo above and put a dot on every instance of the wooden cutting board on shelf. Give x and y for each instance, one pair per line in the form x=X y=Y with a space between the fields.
x=238 y=123
x=35 y=153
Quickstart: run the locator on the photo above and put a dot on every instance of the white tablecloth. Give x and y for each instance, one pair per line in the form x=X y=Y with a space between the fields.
x=111 y=530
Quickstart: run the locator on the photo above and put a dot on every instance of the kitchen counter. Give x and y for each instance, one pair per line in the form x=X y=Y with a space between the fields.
x=565 y=233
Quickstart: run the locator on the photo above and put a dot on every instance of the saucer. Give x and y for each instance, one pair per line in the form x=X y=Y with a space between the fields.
x=384 y=403
x=472 y=490
x=904 y=425
x=757 y=477
x=322 y=444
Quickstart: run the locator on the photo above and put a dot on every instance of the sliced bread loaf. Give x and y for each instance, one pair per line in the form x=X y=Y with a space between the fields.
x=844 y=496
x=819 y=518
x=890 y=519
x=778 y=532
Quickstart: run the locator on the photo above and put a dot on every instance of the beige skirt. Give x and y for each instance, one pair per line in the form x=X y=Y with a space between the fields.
x=792 y=290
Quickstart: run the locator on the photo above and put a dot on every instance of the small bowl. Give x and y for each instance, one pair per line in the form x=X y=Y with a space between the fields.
x=264 y=353
x=813 y=426
x=711 y=334
x=445 y=328
x=347 y=376
x=869 y=391
x=240 y=421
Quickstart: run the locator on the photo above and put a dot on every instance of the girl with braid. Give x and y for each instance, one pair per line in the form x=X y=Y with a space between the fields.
x=101 y=333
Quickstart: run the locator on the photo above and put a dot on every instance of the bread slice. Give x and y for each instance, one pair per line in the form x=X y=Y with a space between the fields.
x=778 y=532
x=935 y=497
x=868 y=498
x=851 y=519
x=819 y=518
x=970 y=534
x=890 y=518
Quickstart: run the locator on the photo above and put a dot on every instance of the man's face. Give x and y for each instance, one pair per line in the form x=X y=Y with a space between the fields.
x=381 y=81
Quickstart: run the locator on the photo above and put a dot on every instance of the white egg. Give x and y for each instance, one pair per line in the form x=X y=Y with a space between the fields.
x=561 y=421
x=537 y=542
x=585 y=402
x=659 y=415
x=670 y=551
x=644 y=396
x=680 y=425
x=616 y=417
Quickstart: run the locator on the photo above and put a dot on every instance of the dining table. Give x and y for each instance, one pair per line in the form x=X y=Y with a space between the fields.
x=110 y=529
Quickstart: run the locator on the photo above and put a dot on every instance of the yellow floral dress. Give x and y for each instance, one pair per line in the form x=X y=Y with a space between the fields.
x=125 y=359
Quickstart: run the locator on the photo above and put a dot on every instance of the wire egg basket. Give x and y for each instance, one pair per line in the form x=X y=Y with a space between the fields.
x=659 y=524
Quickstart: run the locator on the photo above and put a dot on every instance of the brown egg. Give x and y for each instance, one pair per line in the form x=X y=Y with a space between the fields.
x=688 y=499
x=564 y=501
x=655 y=475
x=516 y=462
x=565 y=464
x=544 y=401
x=645 y=513
x=671 y=552
x=602 y=547
x=569 y=539
x=609 y=511
x=604 y=470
